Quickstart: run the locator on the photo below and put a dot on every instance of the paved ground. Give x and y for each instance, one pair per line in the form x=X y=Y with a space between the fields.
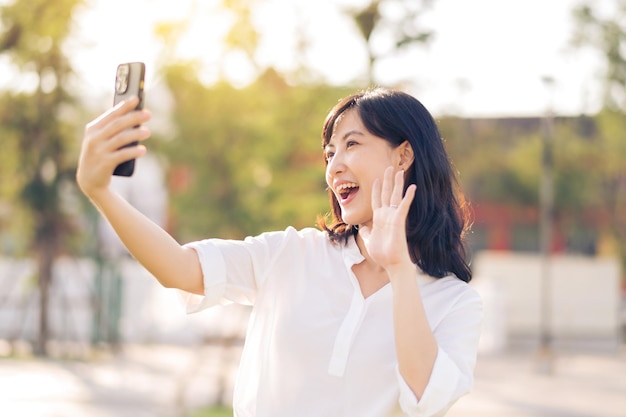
x=516 y=385
x=166 y=381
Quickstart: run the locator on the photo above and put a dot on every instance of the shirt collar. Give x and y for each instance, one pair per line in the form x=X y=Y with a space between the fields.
x=351 y=253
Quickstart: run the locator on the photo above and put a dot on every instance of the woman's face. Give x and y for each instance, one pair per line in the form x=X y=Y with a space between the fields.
x=355 y=159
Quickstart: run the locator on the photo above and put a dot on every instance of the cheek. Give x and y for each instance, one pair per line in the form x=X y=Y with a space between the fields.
x=329 y=178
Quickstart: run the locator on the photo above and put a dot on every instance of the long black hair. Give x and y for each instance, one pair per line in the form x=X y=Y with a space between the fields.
x=439 y=215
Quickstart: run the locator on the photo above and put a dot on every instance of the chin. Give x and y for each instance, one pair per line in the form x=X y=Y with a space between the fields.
x=353 y=219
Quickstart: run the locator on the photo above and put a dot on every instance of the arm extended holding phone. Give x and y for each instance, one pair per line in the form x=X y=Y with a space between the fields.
x=109 y=141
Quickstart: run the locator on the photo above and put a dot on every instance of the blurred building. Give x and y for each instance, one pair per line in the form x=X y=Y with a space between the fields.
x=506 y=226
x=577 y=294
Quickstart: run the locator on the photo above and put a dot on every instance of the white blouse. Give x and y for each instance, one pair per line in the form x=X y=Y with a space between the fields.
x=314 y=346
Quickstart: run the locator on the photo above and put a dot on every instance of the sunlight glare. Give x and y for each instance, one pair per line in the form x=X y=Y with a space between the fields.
x=487 y=58
x=109 y=36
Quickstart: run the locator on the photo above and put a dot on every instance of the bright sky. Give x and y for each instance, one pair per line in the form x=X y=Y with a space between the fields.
x=488 y=57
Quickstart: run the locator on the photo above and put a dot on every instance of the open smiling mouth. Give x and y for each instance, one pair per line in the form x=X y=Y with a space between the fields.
x=345 y=191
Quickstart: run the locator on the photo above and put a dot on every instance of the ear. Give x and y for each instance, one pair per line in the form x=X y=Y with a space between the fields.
x=406 y=155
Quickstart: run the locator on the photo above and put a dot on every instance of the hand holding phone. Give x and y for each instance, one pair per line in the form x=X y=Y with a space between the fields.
x=129 y=81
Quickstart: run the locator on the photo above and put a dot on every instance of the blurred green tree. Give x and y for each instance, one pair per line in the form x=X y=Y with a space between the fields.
x=499 y=162
x=243 y=35
x=606 y=34
x=245 y=160
x=251 y=157
x=393 y=20
x=495 y=162
x=37 y=132
x=242 y=160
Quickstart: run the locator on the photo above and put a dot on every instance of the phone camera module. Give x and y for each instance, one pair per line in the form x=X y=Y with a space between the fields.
x=121 y=79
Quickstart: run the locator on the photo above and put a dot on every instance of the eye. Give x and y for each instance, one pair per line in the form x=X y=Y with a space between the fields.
x=329 y=155
x=350 y=143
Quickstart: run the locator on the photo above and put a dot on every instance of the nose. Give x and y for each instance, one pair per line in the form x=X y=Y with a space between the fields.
x=336 y=164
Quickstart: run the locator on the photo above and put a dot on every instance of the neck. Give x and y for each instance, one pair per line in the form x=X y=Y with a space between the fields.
x=369 y=262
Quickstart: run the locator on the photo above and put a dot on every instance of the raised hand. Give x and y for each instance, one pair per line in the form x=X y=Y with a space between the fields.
x=102 y=148
x=385 y=240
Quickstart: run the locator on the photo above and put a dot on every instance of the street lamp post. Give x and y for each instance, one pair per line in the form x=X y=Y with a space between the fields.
x=546 y=195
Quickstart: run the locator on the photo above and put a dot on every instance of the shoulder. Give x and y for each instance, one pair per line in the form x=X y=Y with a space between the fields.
x=449 y=290
x=270 y=240
x=307 y=233
x=292 y=237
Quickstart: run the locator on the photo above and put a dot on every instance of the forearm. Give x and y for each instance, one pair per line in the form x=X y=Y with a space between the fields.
x=415 y=343
x=171 y=264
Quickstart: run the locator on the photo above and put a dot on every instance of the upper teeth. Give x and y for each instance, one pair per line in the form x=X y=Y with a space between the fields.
x=345 y=186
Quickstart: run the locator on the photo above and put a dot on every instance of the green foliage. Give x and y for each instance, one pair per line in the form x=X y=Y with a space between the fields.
x=604 y=30
x=607 y=153
x=32 y=36
x=35 y=30
x=36 y=137
x=392 y=23
x=251 y=158
x=503 y=165
x=214 y=412
x=606 y=33
x=499 y=161
x=242 y=34
x=495 y=164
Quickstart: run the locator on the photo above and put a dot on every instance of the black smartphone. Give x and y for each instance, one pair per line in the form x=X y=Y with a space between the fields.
x=129 y=80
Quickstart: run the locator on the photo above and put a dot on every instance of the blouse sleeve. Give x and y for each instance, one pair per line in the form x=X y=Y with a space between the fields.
x=453 y=372
x=233 y=270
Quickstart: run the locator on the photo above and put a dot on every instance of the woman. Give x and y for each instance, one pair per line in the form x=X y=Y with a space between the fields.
x=370 y=316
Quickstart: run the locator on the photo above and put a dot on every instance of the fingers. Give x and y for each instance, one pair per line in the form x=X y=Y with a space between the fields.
x=116 y=111
x=383 y=190
x=405 y=204
x=120 y=131
x=117 y=119
x=396 y=193
x=387 y=187
x=128 y=153
x=115 y=128
x=376 y=202
x=390 y=191
x=126 y=137
x=104 y=143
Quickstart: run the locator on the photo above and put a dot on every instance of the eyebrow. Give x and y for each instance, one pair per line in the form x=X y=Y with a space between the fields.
x=345 y=136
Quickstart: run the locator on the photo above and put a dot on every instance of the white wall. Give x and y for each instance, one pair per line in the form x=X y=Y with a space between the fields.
x=584 y=303
x=149 y=312
x=583 y=297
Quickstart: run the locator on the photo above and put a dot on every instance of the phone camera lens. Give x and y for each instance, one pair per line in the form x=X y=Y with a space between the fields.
x=121 y=79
